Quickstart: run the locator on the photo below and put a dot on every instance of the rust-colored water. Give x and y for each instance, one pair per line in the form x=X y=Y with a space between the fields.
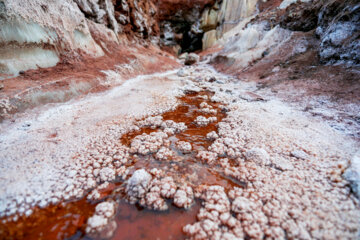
x=146 y=224
x=68 y=221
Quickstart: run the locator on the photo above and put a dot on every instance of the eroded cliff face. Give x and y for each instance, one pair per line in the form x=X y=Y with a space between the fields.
x=41 y=34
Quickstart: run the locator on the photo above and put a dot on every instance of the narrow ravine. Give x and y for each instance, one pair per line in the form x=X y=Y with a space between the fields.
x=201 y=160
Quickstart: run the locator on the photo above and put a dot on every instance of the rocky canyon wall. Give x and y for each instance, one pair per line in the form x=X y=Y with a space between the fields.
x=40 y=33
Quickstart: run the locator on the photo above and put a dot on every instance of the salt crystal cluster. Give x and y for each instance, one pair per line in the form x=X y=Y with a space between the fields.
x=206 y=108
x=202 y=121
x=184 y=147
x=160 y=190
x=184 y=197
x=164 y=154
x=149 y=143
x=138 y=185
x=207 y=156
x=214 y=219
x=212 y=135
x=101 y=223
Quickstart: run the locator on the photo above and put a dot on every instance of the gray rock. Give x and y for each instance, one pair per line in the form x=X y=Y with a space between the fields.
x=191 y=59
x=299 y=154
x=181 y=73
x=352 y=174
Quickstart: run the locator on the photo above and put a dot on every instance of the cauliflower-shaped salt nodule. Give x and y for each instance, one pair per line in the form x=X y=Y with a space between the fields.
x=157 y=172
x=212 y=135
x=106 y=209
x=243 y=205
x=123 y=172
x=155 y=121
x=100 y=222
x=137 y=185
x=94 y=195
x=148 y=143
x=167 y=187
x=206 y=108
x=216 y=199
x=164 y=154
x=96 y=223
x=206 y=156
x=177 y=127
x=184 y=197
x=107 y=174
x=205 y=105
x=184 y=147
x=202 y=121
x=160 y=189
x=258 y=156
x=214 y=213
x=153 y=200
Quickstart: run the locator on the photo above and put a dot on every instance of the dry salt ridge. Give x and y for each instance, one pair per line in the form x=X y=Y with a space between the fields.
x=189 y=140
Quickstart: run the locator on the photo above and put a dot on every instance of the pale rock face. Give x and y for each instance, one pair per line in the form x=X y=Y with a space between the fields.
x=250 y=44
x=287 y=3
x=102 y=11
x=28 y=27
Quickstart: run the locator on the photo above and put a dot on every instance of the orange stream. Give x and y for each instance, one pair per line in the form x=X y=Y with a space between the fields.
x=68 y=220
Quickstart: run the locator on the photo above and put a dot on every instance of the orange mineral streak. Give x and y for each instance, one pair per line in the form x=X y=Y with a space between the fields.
x=54 y=222
x=186 y=165
x=68 y=220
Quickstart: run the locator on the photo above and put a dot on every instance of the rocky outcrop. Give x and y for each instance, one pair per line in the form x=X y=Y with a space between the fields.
x=40 y=34
x=223 y=16
x=37 y=33
x=336 y=23
x=339 y=32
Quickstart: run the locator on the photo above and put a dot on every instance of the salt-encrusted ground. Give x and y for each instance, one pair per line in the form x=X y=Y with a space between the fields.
x=284 y=167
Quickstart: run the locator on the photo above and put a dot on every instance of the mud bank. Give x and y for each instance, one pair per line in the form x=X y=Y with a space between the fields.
x=256 y=166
